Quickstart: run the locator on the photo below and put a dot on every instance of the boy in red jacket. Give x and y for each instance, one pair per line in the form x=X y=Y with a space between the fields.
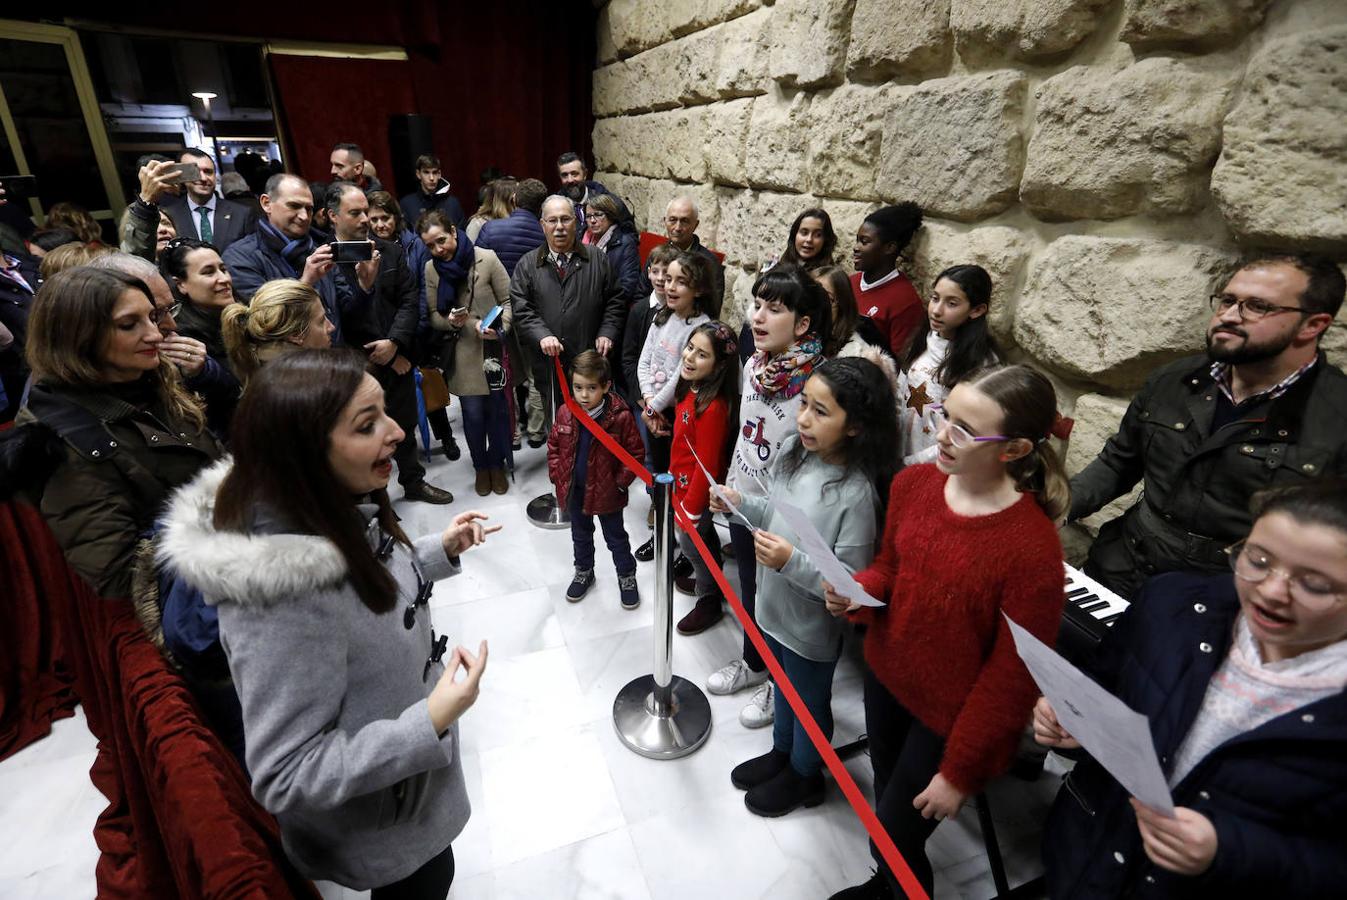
x=589 y=479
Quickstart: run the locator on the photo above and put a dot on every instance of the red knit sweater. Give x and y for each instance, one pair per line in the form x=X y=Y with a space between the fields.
x=941 y=646
x=709 y=434
x=894 y=307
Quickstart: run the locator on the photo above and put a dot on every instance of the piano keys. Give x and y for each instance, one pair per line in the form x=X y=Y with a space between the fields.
x=1090 y=610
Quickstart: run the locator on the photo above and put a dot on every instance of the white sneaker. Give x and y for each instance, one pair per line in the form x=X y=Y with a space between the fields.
x=761 y=708
x=734 y=677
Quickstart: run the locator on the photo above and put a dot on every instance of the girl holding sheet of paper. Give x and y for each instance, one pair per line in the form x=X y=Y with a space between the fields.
x=707 y=392
x=835 y=467
x=966 y=539
x=1244 y=679
x=788 y=320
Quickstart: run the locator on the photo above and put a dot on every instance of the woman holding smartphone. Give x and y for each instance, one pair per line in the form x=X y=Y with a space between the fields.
x=468 y=301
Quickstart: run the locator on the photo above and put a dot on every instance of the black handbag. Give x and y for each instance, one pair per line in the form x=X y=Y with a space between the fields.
x=446 y=351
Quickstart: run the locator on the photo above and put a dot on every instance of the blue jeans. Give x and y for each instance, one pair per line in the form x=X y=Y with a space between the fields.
x=813 y=681
x=486 y=425
x=614 y=535
x=745 y=559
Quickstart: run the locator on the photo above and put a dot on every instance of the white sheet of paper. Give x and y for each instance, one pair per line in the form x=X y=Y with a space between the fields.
x=1117 y=736
x=827 y=563
x=715 y=488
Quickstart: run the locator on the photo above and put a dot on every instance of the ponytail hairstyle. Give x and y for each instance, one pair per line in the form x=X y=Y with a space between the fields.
x=865 y=394
x=698 y=271
x=800 y=294
x=280 y=436
x=173 y=262
x=973 y=346
x=261 y=331
x=1029 y=408
x=724 y=378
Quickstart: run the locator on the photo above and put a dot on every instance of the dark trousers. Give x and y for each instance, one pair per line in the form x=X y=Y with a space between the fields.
x=430 y=882
x=813 y=681
x=614 y=535
x=486 y=425
x=439 y=425
x=744 y=558
x=906 y=755
x=400 y=402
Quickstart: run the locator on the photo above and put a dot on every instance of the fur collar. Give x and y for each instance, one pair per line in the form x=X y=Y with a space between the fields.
x=227 y=567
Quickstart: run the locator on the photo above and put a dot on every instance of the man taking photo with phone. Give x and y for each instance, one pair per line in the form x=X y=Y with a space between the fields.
x=282 y=247
x=203 y=215
x=378 y=298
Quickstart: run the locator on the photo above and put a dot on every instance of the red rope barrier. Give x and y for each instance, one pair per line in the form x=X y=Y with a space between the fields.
x=850 y=790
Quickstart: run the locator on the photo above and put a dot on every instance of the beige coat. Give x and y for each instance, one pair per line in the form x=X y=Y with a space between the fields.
x=486 y=287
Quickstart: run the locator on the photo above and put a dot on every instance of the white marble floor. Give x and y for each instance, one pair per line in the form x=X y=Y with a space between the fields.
x=561 y=809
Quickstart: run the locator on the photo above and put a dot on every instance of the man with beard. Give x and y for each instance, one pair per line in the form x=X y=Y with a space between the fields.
x=1262 y=408
x=379 y=301
x=576 y=185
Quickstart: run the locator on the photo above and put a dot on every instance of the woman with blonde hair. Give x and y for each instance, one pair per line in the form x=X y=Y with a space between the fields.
x=497 y=203
x=68 y=256
x=285 y=315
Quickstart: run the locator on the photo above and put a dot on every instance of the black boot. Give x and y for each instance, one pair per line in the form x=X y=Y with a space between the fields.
x=759 y=769
x=785 y=791
x=450 y=445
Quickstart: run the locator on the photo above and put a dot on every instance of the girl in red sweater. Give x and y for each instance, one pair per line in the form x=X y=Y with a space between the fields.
x=707 y=392
x=965 y=539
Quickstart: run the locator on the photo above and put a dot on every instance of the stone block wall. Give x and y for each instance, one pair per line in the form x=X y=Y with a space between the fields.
x=1106 y=160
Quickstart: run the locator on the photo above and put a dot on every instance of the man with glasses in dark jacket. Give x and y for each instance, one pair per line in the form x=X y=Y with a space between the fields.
x=565 y=297
x=1262 y=408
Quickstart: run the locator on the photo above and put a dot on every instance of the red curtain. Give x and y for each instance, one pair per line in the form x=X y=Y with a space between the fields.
x=325 y=100
x=180 y=821
x=35 y=682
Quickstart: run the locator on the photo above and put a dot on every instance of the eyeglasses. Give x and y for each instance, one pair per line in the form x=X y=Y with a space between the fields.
x=558 y=220
x=958 y=435
x=1310 y=589
x=1250 y=310
x=159 y=313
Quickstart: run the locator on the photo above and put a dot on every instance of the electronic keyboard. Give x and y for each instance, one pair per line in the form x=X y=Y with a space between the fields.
x=1090 y=609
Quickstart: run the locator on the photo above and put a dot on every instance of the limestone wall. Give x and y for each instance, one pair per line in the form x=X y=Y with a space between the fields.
x=1105 y=160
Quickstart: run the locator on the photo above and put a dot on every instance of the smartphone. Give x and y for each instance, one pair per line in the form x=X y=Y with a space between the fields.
x=352 y=251
x=183 y=172
x=19 y=187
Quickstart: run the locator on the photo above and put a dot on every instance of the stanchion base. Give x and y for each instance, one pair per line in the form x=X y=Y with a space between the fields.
x=544 y=511
x=642 y=729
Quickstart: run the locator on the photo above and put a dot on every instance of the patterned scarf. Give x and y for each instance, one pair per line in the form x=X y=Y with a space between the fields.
x=292 y=250
x=785 y=373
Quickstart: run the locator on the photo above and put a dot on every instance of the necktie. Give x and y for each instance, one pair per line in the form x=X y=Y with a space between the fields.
x=561 y=266
x=206 y=235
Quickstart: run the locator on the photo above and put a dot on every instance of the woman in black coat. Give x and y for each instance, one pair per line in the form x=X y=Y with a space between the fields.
x=609 y=226
x=1242 y=677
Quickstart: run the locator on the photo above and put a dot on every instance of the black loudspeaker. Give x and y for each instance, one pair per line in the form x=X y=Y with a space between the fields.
x=409 y=135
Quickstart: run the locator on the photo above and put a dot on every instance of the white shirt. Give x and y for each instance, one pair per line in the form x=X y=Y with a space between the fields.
x=871 y=285
x=195 y=210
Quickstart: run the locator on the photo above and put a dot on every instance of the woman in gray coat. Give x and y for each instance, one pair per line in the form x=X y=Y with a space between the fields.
x=350 y=704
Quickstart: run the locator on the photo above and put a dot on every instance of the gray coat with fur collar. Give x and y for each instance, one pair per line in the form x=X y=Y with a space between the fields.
x=339 y=739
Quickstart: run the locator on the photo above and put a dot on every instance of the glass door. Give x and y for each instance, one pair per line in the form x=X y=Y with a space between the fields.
x=52 y=127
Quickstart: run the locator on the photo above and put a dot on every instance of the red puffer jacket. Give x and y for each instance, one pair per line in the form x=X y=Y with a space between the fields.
x=606 y=479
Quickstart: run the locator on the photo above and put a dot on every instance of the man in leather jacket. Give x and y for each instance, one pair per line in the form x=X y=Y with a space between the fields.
x=1263 y=407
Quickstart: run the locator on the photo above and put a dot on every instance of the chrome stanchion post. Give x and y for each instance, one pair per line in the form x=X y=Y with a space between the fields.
x=662 y=716
x=544 y=510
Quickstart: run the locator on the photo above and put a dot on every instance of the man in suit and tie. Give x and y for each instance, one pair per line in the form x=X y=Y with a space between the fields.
x=203 y=215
